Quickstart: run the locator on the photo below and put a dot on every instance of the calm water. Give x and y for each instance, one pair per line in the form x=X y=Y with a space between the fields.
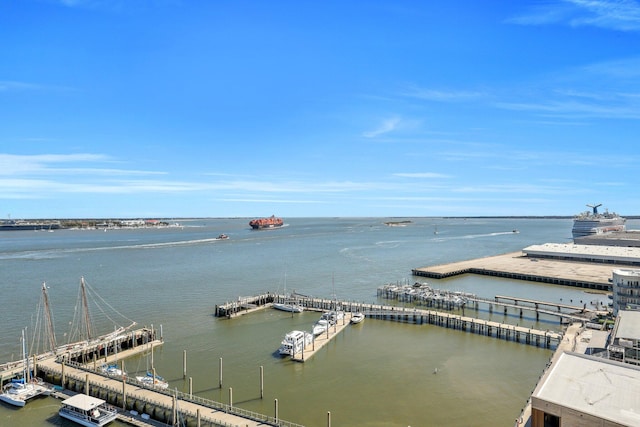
x=374 y=374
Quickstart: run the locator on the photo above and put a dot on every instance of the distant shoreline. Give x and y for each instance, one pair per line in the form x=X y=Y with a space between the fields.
x=393 y=218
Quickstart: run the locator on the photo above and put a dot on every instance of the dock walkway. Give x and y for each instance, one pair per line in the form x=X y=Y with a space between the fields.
x=515 y=265
x=159 y=404
x=323 y=339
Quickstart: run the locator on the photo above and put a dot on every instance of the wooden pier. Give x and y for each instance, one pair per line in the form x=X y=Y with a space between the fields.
x=244 y=305
x=323 y=339
x=161 y=405
x=489 y=328
x=515 y=265
x=499 y=330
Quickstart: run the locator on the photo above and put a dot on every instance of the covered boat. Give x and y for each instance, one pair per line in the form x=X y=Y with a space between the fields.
x=87 y=411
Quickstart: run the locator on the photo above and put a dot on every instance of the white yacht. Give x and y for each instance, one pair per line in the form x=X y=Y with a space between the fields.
x=333 y=316
x=87 y=411
x=294 y=342
x=357 y=317
x=320 y=327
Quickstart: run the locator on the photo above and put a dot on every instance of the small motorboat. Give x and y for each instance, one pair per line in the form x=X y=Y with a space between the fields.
x=222 y=237
x=357 y=318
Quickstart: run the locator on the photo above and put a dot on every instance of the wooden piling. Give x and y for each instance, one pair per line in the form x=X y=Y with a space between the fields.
x=261 y=382
x=184 y=364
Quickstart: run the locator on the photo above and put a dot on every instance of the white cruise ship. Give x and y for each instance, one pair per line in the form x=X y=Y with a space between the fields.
x=592 y=222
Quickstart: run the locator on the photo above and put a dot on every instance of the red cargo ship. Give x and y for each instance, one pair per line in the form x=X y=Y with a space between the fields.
x=260 y=223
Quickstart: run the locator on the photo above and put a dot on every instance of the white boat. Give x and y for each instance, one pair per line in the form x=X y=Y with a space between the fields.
x=19 y=391
x=333 y=316
x=87 y=411
x=151 y=380
x=294 y=342
x=290 y=304
x=291 y=307
x=357 y=318
x=112 y=370
x=320 y=327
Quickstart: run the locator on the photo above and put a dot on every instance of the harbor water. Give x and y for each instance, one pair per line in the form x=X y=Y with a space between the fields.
x=378 y=373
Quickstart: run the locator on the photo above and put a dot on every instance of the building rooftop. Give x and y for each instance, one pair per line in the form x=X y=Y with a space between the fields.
x=619 y=238
x=598 y=387
x=619 y=254
x=627 y=325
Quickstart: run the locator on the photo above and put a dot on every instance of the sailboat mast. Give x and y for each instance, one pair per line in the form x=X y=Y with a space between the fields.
x=85 y=309
x=25 y=360
x=48 y=318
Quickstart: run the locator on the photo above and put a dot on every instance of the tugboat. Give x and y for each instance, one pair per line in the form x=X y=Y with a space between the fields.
x=262 y=223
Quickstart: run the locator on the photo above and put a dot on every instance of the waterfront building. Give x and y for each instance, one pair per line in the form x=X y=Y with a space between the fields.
x=587 y=391
x=625 y=338
x=585 y=253
x=626 y=289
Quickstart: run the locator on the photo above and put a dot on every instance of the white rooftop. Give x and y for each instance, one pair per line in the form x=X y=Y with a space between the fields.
x=83 y=402
x=571 y=250
x=628 y=324
x=599 y=387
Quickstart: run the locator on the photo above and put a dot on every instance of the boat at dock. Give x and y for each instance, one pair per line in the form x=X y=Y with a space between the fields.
x=290 y=303
x=320 y=327
x=592 y=222
x=20 y=390
x=262 y=223
x=290 y=306
x=294 y=342
x=357 y=318
x=112 y=370
x=151 y=380
x=87 y=411
x=333 y=316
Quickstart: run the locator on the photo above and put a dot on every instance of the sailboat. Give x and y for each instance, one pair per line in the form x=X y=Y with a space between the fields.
x=111 y=369
x=151 y=379
x=19 y=391
x=290 y=304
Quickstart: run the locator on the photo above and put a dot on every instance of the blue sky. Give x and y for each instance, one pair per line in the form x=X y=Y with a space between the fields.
x=170 y=108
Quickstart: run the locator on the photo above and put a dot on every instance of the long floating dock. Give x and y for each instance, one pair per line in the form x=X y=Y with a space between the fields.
x=510 y=332
x=323 y=339
x=161 y=405
x=515 y=265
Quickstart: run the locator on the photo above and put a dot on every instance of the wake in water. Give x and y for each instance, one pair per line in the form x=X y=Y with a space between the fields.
x=57 y=253
x=472 y=236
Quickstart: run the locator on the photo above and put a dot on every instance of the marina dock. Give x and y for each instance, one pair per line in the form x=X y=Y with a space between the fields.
x=515 y=265
x=415 y=315
x=77 y=369
x=323 y=339
x=161 y=405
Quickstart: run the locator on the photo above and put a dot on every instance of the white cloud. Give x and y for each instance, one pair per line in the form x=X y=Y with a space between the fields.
x=386 y=126
x=440 y=95
x=619 y=15
x=421 y=175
